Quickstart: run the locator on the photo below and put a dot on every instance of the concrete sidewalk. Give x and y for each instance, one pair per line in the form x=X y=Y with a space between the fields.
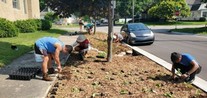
x=34 y=88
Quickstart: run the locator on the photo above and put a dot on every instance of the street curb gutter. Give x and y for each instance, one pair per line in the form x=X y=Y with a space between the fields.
x=200 y=83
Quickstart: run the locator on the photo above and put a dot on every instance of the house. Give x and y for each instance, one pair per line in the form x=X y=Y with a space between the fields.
x=19 y=9
x=197 y=8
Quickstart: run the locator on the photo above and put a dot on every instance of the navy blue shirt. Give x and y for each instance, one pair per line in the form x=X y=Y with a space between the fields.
x=186 y=59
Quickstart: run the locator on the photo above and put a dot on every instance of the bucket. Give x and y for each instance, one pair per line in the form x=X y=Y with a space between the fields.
x=38 y=57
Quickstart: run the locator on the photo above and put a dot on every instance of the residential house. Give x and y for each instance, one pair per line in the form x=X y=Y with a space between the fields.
x=197 y=8
x=19 y=9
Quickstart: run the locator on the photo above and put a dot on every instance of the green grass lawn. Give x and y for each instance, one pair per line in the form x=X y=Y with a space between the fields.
x=202 y=30
x=24 y=42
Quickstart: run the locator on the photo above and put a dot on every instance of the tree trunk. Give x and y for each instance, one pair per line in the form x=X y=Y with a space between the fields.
x=124 y=20
x=94 y=29
x=110 y=32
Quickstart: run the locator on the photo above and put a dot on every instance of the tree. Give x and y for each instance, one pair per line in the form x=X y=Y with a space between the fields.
x=92 y=8
x=204 y=1
x=124 y=7
x=42 y=5
x=167 y=8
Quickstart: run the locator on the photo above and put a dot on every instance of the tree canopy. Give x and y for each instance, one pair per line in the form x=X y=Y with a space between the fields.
x=166 y=9
x=91 y=8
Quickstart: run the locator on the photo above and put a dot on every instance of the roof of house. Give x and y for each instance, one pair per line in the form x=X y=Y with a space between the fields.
x=192 y=2
x=195 y=7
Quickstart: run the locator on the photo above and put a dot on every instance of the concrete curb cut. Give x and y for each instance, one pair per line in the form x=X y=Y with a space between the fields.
x=200 y=83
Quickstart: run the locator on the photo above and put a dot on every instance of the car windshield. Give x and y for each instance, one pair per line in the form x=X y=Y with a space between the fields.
x=137 y=27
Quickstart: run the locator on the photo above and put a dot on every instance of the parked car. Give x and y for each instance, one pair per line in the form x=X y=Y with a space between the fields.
x=137 y=33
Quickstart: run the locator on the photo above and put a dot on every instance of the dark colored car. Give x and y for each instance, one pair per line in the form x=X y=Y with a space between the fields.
x=137 y=33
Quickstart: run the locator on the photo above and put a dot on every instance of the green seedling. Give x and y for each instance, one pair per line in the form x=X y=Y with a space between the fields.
x=75 y=90
x=159 y=85
x=168 y=95
x=127 y=82
x=198 y=92
x=96 y=84
x=153 y=91
x=101 y=55
x=122 y=92
x=145 y=90
x=94 y=95
x=178 y=71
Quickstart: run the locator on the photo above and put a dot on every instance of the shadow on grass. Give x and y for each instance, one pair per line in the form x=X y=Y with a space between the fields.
x=8 y=54
x=58 y=31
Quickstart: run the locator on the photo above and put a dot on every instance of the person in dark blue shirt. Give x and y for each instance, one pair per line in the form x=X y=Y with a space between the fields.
x=186 y=65
x=50 y=48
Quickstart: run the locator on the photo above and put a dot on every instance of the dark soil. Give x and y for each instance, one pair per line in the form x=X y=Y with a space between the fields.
x=125 y=77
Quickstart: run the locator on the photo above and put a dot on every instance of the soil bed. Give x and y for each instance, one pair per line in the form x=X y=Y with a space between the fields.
x=125 y=77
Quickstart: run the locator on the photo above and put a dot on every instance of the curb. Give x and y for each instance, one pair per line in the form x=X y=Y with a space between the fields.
x=200 y=83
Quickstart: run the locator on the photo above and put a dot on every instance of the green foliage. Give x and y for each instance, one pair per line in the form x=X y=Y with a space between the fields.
x=202 y=19
x=166 y=9
x=38 y=23
x=46 y=25
x=204 y=1
x=50 y=16
x=26 y=26
x=124 y=7
x=93 y=8
x=7 y=28
x=42 y=5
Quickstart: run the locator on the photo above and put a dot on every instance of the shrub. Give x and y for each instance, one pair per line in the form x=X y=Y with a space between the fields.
x=46 y=25
x=202 y=19
x=25 y=26
x=7 y=28
x=37 y=23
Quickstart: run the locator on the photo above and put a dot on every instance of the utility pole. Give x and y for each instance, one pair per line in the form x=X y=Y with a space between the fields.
x=133 y=11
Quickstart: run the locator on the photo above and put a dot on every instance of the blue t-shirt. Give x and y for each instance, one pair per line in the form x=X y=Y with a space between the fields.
x=47 y=43
x=186 y=59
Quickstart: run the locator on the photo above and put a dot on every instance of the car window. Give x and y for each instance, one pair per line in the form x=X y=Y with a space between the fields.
x=137 y=27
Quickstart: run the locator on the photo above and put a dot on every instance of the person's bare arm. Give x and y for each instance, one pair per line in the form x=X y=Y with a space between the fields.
x=173 y=71
x=56 y=56
x=194 y=68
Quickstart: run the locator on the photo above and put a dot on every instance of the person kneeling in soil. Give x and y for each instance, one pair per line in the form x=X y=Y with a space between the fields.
x=185 y=64
x=117 y=37
x=81 y=45
x=50 y=48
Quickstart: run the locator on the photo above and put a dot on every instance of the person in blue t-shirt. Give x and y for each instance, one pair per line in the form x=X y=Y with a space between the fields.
x=186 y=64
x=50 y=48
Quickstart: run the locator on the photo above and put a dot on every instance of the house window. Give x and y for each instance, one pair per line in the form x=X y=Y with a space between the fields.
x=3 y=1
x=25 y=6
x=204 y=14
x=16 y=4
